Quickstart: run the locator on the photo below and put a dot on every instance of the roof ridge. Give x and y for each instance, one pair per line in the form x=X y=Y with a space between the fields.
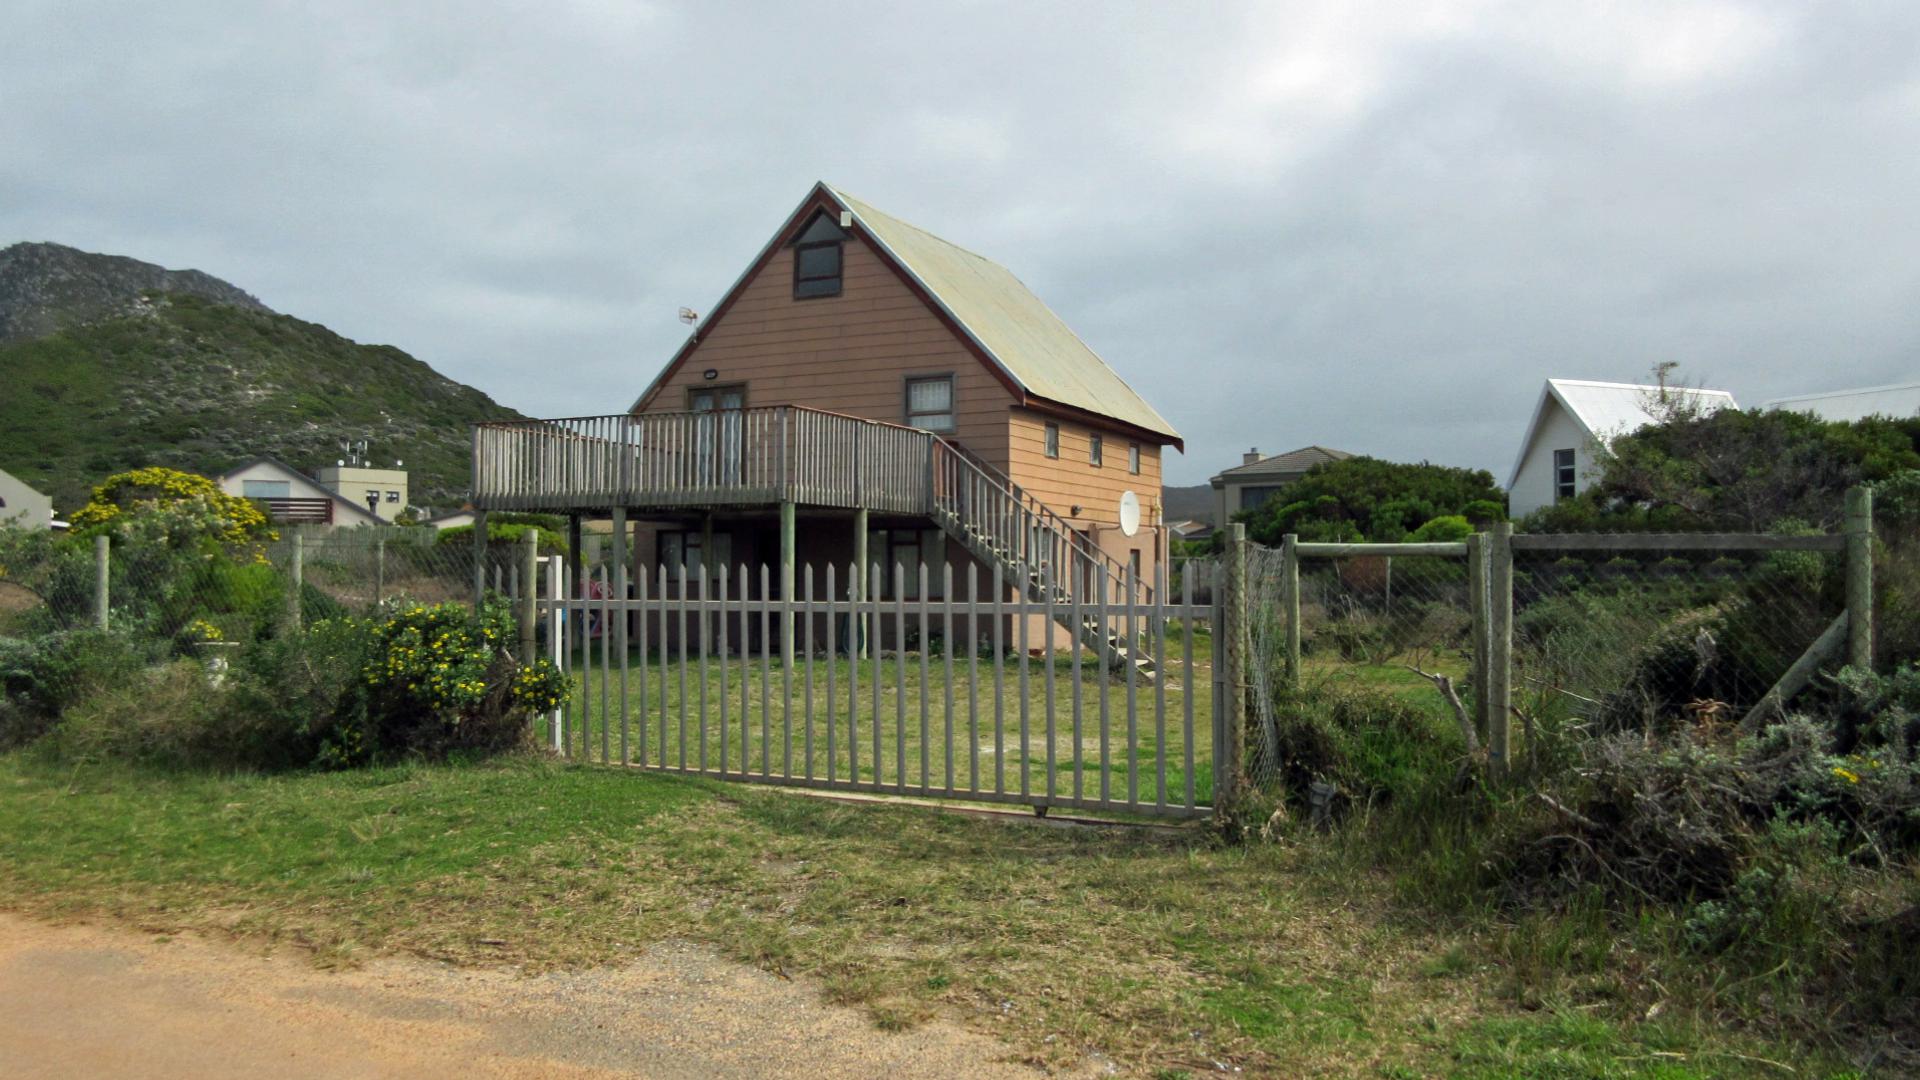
x=1657 y=388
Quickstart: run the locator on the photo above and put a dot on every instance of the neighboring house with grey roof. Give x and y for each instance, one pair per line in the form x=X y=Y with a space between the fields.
x=1256 y=479
x=1574 y=419
x=1898 y=400
x=22 y=507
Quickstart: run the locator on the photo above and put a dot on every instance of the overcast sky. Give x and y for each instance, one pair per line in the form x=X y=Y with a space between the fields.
x=1373 y=227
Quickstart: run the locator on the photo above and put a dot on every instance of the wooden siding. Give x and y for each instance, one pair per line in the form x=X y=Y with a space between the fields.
x=1069 y=479
x=849 y=353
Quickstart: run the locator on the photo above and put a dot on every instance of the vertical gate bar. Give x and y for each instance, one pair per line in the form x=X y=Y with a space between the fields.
x=1105 y=635
x=899 y=675
x=806 y=687
x=1078 y=616
x=620 y=594
x=606 y=672
x=1133 y=688
x=645 y=663
x=1477 y=605
x=766 y=679
x=746 y=676
x=878 y=673
x=946 y=594
x=556 y=649
x=1046 y=647
x=583 y=632
x=926 y=643
x=666 y=660
x=1500 y=675
x=999 y=681
x=1187 y=683
x=1024 y=574
x=720 y=650
x=855 y=573
x=833 y=661
x=684 y=597
x=1157 y=630
x=973 y=675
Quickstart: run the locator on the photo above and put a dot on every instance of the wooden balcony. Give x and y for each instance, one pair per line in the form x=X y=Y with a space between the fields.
x=293 y=511
x=702 y=460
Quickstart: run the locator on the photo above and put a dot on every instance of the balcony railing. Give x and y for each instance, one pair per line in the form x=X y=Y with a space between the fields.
x=747 y=457
x=292 y=511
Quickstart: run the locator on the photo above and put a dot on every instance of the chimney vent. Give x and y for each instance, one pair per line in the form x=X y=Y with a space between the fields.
x=1252 y=455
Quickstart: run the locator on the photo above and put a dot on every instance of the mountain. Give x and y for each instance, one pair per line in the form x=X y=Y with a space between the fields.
x=109 y=363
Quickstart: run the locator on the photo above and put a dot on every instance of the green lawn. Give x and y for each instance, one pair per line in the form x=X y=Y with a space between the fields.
x=937 y=722
x=1155 y=948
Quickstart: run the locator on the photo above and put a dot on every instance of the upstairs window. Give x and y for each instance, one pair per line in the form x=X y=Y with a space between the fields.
x=930 y=403
x=1053 y=440
x=816 y=259
x=1133 y=458
x=1093 y=450
x=1563 y=474
x=267 y=489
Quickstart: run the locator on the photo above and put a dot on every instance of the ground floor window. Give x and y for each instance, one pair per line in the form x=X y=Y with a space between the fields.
x=686 y=547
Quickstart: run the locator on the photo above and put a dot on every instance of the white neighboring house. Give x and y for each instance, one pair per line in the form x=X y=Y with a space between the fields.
x=23 y=507
x=1899 y=400
x=291 y=497
x=1576 y=417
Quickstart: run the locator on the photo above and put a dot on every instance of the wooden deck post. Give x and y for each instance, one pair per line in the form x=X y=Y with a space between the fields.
x=1859 y=531
x=576 y=563
x=787 y=542
x=857 y=587
x=1500 y=634
x=479 y=559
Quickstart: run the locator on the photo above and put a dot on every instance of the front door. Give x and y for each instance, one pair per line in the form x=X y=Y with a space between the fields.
x=722 y=435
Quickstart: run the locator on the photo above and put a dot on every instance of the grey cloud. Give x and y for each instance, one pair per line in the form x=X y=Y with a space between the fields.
x=1371 y=228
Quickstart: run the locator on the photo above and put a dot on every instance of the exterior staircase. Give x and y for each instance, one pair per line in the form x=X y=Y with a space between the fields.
x=1034 y=547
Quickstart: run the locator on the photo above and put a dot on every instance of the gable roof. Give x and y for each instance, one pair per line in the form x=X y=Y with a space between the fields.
x=1293 y=461
x=1900 y=399
x=268 y=459
x=1607 y=410
x=1016 y=335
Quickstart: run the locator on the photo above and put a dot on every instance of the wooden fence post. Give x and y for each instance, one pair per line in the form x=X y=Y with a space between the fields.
x=101 y=573
x=529 y=575
x=379 y=572
x=296 y=576
x=1482 y=633
x=1859 y=531
x=1290 y=597
x=1228 y=756
x=1500 y=635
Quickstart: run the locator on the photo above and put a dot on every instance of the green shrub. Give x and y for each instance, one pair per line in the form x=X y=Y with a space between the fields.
x=41 y=677
x=507 y=534
x=1375 y=747
x=1447 y=528
x=167 y=715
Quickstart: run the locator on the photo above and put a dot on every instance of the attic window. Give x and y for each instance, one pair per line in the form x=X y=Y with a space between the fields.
x=816 y=259
x=1563 y=475
x=930 y=403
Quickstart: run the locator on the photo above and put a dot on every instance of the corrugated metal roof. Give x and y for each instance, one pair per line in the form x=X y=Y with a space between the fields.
x=1898 y=400
x=1029 y=342
x=1293 y=461
x=1607 y=410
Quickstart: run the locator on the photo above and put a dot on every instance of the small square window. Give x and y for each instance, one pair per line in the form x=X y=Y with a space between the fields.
x=393 y=496
x=1053 y=440
x=1133 y=458
x=930 y=403
x=1094 y=450
x=1563 y=474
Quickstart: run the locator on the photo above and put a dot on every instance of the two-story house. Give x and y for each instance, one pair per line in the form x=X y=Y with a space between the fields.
x=865 y=393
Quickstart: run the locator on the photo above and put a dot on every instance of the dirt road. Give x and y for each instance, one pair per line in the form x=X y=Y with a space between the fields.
x=91 y=1002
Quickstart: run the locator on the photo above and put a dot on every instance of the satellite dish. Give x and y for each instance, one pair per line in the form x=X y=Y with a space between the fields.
x=1129 y=513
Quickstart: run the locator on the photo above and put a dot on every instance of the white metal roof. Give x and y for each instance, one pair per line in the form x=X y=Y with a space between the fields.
x=1607 y=410
x=1900 y=399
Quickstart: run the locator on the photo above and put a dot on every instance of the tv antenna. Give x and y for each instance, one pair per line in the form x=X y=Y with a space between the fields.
x=689 y=316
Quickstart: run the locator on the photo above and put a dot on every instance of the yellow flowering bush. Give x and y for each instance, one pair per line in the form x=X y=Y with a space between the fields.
x=194 y=504
x=435 y=678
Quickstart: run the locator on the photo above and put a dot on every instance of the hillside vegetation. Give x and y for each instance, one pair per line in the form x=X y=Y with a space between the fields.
x=192 y=381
